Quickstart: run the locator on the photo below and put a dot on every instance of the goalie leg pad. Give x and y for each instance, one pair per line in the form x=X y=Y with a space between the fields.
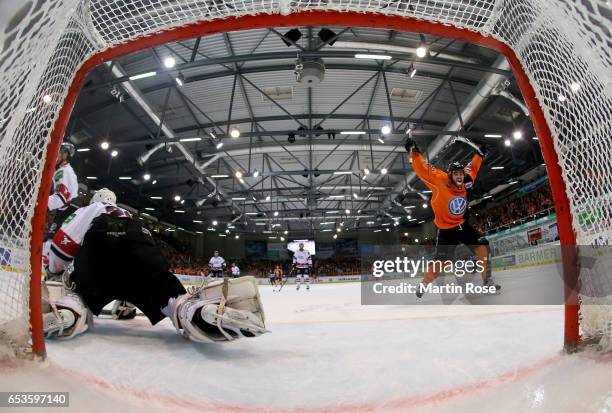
x=68 y=317
x=207 y=316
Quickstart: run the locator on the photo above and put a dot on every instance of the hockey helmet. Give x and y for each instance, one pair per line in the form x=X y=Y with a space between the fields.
x=67 y=147
x=456 y=166
x=103 y=195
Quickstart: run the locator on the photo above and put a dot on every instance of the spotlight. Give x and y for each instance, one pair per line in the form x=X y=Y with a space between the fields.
x=220 y=145
x=517 y=134
x=237 y=237
x=347 y=211
x=412 y=71
x=146 y=177
x=384 y=171
x=366 y=171
x=326 y=35
x=275 y=213
x=421 y=51
x=255 y=173
x=180 y=79
x=169 y=62
x=238 y=174
x=114 y=153
x=508 y=142
x=385 y=130
x=294 y=35
x=177 y=198
x=338 y=229
x=335 y=236
x=381 y=140
x=424 y=206
x=234 y=133
x=268 y=198
x=215 y=223
x=154 y=182
x=104 y=145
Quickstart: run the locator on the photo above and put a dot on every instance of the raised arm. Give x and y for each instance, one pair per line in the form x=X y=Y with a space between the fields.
x=474 y=166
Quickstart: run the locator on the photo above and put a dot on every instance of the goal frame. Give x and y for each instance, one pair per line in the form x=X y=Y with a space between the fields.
x=302 y=18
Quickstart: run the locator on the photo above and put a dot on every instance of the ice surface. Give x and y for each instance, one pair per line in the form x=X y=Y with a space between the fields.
x=327 y=353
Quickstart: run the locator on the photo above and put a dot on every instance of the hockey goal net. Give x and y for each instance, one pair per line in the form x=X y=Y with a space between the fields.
x=559 y=51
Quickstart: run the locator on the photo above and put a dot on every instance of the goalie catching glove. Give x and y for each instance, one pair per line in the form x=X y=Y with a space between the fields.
x=221 y=311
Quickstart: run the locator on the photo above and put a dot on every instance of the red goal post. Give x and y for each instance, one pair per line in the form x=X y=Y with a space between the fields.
x=100 y=33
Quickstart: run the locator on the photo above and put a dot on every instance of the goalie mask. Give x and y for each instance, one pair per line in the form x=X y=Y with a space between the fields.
x=104 y=195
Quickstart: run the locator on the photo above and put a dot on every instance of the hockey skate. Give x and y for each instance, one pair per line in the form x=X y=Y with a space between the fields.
x=64 y=313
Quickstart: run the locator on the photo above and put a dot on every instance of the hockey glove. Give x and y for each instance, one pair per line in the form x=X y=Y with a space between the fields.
x=411 y=146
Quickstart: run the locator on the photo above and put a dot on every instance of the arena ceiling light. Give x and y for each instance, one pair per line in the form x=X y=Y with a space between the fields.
x=169 y=62
x=219 y=145
x=517 y=134
x=424 y=206
x=352 y=132
x=366 y=171
x=142 y=75
x=238 y=174
x=275 y=213
x=492 y=135
x=156 y=197
x=194 y=139
x=343 y=172
x=508 y=142
x=154 y=182
x=332 y=212
x=114 y=153
x=150 y=209
x=377 y=230
x=372 y=56
x=177 y=198
x=281 y=238
x=421 y=51
x=93 y=178
x=83 y=150
x=179 y=211
x=125 y=178
x=327 y=223
x=384 y=171
x=146 y=177
x=220 y=176
x=104 y=145
x=215 y=223
x=251 y=213
x=255 y=173
x=335 y=236
x=180 y=79
x=347 y=211
x=385 y=130
x=234 y=133
x=381 y=140
x=497 y=167
x=239 y=199
x=268 y=198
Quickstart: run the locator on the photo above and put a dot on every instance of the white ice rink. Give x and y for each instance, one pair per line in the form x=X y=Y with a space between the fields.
x=327 y=353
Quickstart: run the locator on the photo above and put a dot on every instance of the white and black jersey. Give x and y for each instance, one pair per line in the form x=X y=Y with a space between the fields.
x=65 y=188
x=217 y=263
x=302 y=259
x=70 y=236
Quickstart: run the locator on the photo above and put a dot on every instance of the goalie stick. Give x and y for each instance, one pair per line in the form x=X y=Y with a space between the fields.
x=292 y=272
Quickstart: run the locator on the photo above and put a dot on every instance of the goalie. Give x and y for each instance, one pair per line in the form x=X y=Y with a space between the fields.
x=115 y=258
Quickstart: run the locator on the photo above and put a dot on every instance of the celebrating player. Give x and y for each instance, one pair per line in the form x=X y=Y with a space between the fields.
x=302 y=263
x=216 y=265
x=115 y=258
x=449 y=202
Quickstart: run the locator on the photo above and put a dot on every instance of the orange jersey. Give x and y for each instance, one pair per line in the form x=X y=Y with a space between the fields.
x=278 y=272
x=448 y=202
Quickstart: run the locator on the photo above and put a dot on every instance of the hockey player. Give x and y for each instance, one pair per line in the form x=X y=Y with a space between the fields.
x=115 y=258
x=449 y=203
x=235 y=270
x=278 y=278
x=65 y=188
x=302 y=263
x=216 y=265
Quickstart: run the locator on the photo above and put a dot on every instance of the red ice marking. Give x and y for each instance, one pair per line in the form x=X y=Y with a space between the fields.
x=401 y=404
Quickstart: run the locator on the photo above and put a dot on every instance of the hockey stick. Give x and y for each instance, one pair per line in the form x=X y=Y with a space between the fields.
x=468 y=142
x=286 y=278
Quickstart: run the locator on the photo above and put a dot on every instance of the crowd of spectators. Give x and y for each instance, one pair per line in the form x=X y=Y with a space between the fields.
x=514 y=211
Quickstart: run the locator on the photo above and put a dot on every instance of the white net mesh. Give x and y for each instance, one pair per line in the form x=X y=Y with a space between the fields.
x=564 y=47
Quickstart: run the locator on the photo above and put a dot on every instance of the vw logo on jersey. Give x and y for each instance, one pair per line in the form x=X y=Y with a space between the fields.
x=457 y=205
